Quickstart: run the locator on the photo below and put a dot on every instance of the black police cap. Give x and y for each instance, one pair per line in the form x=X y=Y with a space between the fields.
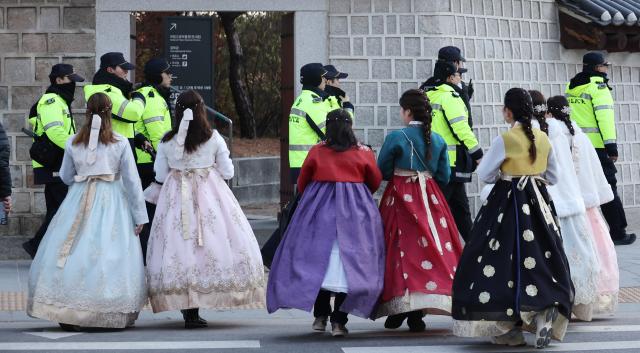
x=333 y=73
x=112 y=59
x=312 y=71
x=156 y=66
x=450 y=53
x=65 y=70
x=594 y=58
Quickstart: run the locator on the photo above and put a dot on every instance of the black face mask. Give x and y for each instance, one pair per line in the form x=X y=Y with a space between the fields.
x=335 y=91
x=165 y=92
x=64 y=90
x=104 y=77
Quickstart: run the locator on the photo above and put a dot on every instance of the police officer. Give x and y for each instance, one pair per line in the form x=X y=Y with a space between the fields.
x=589 y=96
x=333 y=88
x=155 y=123
x=453 y=55
x=307 y=120
x=126 y=106
x=450 y=119
x=51 y=116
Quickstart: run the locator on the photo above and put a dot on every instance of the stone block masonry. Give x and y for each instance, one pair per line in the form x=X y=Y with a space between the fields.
x=388 y=46
x=34 y=35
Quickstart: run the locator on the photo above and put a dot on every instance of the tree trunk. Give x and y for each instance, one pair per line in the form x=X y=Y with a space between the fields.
x=243 y=104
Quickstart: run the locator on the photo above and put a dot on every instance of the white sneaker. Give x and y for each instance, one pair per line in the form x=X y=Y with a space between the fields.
x=513 y=338
x=544 y=323
x=320 y=324
x=338 y=330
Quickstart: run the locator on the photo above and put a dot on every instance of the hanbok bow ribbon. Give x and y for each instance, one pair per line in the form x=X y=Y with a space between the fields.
x=86 y=203
x=187 y=116
x=546 y=210
x=96 y=122
x=189 y=201
x=421 y=177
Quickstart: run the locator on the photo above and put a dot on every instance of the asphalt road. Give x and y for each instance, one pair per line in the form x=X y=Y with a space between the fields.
x=290 y=331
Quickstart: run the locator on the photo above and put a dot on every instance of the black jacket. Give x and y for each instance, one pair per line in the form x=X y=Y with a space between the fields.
x=5 y=173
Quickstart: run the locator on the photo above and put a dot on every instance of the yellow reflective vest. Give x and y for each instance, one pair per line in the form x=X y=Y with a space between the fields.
x=301 y=136
x=124 y=112
x=155 y=121
x=592 y=109
x=449 y=116
x=53 y=118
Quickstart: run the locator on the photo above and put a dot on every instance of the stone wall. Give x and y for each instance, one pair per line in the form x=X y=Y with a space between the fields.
x=34 y=35
x=388 y=46
x=256 y=180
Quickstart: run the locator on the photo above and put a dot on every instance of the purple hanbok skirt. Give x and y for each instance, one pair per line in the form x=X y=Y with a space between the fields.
x=328 y=212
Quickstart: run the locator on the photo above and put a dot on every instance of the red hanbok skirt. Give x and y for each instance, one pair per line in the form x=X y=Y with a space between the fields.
x=422 y=244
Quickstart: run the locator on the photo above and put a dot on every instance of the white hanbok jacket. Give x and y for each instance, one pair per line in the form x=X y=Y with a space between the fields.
x=566 y=193
x=593 y=184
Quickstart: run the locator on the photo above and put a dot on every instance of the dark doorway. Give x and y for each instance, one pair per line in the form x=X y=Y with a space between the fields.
x=287 y=93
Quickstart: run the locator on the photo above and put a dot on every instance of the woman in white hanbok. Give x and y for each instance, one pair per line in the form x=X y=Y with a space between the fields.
x=595 y=192
x=88 y=271
x=567 y=197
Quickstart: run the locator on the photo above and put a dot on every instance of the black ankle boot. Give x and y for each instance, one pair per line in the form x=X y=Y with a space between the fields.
x=197 y=317
x=192 y=319
x=415 y=322
x=394 y=321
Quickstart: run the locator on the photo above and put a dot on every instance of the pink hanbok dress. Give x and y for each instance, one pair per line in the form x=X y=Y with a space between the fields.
x=202 y=252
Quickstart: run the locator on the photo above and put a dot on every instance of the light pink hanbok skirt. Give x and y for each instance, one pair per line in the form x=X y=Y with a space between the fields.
x=202 y=252
x=609 y=277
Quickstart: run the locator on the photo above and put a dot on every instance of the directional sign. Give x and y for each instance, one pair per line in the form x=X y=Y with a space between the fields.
x=189 y=50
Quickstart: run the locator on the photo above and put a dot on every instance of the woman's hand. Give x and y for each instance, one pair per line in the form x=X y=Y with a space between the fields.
x=138 y=229
x=6 y=202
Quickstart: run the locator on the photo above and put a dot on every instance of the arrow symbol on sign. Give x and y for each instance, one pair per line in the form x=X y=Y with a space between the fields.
x=173 y=26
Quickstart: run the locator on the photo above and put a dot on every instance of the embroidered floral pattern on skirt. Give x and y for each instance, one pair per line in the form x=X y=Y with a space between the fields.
x=102 y=282
x=210 y=259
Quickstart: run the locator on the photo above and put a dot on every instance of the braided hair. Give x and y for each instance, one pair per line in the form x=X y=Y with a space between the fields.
x=540 y=109
x=558 y=106
x=416 y=101
x=519 y=102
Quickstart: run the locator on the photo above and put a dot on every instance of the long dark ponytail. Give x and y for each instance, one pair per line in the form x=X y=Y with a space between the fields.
x=519 y=102
x=558 y=106
x=539 y=109
x=417 y=102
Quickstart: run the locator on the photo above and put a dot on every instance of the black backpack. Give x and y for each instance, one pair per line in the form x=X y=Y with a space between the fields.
x=43 y=150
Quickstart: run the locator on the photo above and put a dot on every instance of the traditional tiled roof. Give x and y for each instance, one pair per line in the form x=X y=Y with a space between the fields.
x=604 y=12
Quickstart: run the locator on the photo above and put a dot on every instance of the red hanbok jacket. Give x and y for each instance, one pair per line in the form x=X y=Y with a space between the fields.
x=355 y=165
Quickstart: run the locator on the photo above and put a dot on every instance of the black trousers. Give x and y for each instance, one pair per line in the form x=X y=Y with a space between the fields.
x=147 y=176
x=456 y=195
x=322 y=307
x=613 y=211
x=54 y=194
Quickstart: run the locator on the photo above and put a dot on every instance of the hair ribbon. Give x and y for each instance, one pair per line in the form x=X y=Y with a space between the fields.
x=96 y=122
x=187 y=116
